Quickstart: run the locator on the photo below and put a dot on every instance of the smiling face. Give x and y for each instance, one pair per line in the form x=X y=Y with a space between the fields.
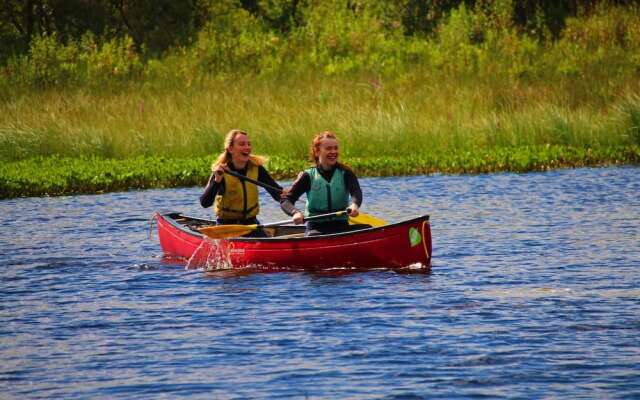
x=327 y=153
x=240 y=150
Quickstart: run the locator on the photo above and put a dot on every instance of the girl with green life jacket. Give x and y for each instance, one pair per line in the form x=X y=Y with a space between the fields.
x=330 y=186
x=235 y=200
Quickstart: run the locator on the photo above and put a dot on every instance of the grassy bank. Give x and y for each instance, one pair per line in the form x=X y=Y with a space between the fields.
x=481 y=91
x=77 y=141
x=374 y=117
x=54 y=176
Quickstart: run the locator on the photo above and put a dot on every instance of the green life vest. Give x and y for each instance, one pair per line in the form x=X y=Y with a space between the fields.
x=240 y=199
x=325 y=197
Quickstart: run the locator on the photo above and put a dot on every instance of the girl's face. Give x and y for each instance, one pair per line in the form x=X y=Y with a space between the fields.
x=327 y=153
x=240 y=150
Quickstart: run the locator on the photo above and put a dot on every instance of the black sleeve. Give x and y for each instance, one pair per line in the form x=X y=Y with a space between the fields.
x=264 y=177
x=353 y=186
x=301 y=185
x=213 y=188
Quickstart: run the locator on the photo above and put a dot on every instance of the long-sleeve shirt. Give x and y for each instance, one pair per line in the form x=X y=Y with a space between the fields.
x=214 y=188
x=302 y=185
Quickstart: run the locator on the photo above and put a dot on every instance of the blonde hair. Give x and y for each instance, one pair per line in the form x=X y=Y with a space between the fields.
x=315 y=146
x=225 y=156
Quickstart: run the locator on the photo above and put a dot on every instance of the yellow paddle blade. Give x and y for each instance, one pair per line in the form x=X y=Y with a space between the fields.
x=227 y=231
x=367 y=219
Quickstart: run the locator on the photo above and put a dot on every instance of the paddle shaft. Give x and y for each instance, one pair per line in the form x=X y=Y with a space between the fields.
x=255 y=182
x=314 y=217
x=223 y=231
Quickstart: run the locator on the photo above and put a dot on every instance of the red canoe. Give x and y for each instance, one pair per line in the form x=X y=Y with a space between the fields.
x=405 y=244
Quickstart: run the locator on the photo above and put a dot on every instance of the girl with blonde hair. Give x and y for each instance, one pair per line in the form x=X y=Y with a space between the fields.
x=236 y=200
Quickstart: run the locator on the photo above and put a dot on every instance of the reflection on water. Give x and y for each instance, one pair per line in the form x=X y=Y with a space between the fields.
x=534 y=293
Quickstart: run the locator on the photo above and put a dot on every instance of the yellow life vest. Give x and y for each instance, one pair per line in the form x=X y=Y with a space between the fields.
x=240 y=199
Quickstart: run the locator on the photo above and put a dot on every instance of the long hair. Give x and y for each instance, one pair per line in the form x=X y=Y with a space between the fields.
x=315 y=146
x=225 y=156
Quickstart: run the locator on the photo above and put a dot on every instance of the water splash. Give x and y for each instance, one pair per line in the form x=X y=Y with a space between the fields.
x=211 y=255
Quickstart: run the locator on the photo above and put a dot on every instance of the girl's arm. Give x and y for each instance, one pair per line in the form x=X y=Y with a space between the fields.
x=210 y=192
x=300 y=186
x=353 y=186
x=264 y=177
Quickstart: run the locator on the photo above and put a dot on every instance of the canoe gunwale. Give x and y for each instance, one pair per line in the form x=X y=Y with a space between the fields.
x=170 y=217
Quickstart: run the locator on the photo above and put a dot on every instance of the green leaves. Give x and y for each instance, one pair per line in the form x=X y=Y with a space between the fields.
x=54 y=176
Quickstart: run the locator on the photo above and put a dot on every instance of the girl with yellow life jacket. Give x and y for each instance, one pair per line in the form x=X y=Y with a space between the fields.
x=236 y=200
x=330 y=186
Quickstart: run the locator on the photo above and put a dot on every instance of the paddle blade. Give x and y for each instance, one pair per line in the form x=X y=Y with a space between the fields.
x=227 y=231
x=367 y=219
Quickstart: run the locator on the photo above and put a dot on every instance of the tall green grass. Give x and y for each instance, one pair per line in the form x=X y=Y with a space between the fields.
x=373 y=117
x=479 y=81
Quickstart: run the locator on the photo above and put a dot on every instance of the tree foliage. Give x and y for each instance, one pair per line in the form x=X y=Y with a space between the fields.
x=53 y=42
x=157 y=25
x=154 y=25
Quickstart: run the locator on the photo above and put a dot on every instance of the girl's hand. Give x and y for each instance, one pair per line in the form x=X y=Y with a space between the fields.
x=219 y=172
x=353 y=210
x=298 y=218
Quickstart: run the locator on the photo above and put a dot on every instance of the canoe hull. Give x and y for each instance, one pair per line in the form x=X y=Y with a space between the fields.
x=400 y=245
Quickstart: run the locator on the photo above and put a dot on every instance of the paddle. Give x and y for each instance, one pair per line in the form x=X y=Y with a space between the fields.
x=360 y=219
x=226 y=231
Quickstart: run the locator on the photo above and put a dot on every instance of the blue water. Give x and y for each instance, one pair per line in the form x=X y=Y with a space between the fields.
x=534 y=293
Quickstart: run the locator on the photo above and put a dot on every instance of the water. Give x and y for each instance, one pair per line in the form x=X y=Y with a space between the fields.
x=534 y=293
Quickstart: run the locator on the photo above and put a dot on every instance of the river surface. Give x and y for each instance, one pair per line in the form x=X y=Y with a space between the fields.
x=534 y=293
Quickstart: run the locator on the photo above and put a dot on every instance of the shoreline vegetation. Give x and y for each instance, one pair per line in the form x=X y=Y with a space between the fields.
x=456 y=87
x=55 y=176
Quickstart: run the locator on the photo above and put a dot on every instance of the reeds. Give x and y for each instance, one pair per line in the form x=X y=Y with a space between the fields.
x=372 y=117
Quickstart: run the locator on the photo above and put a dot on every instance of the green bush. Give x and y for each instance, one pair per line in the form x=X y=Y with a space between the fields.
x=53 y=176
x=342 y=37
